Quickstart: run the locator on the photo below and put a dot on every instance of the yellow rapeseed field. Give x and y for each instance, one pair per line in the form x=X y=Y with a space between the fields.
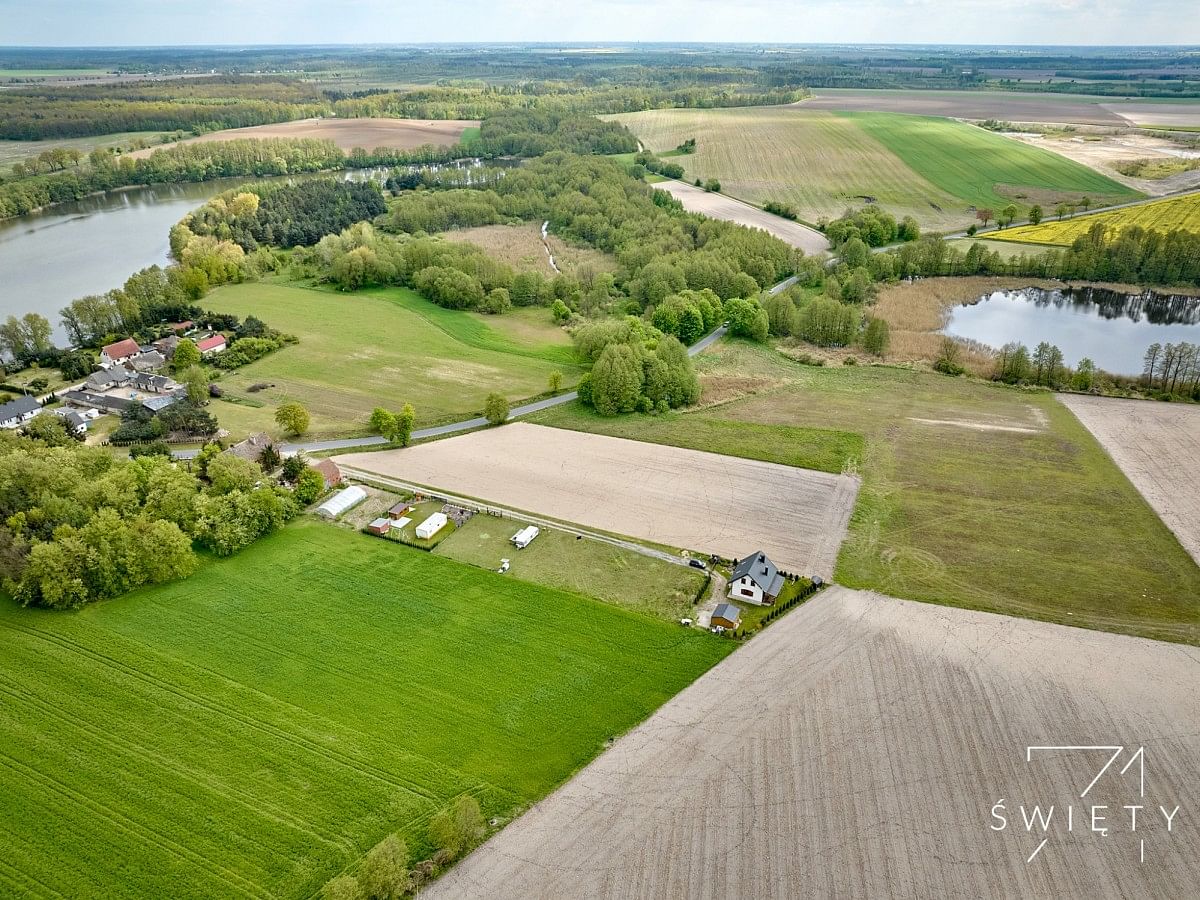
x=1170 y=214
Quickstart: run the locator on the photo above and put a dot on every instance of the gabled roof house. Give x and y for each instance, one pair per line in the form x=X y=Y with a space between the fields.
x=755 y=580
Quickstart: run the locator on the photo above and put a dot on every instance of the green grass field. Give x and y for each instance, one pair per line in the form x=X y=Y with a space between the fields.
x=1168 y=214
x=953 y=511
x=557 y=559
x=823 y=162
x=383 y=347
x=253 y=730
x=17 y=151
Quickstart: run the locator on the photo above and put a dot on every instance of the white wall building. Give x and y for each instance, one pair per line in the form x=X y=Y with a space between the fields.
x=432 y=526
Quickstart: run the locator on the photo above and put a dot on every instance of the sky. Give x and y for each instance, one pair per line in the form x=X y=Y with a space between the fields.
x=171 y=22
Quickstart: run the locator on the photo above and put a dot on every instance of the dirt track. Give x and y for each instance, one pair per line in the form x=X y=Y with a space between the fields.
x=400 y=134
x=856 y=749
x=1158 y=446
x=718 y=206
x=681 y=498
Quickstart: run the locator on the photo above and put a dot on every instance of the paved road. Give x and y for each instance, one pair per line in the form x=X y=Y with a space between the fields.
x=468 y=424
x=386 y=481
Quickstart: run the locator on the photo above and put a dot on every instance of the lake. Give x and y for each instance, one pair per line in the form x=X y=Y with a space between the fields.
x=1111 y=328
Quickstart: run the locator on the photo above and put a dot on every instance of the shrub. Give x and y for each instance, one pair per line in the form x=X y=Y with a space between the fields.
x=496 y=409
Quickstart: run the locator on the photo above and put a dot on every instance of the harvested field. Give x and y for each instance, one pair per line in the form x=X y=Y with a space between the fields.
x=521 y=247
x=680 y=498
x=720 y=206
x=1158 y=446
x=856 y=748
x=399 y=134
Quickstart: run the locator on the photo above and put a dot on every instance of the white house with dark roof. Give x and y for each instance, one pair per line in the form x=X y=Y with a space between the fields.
x=16 y=413
x=755 y=580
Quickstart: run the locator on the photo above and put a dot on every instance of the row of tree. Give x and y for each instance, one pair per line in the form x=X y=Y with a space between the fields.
x=189 y=162
x=1173 y=368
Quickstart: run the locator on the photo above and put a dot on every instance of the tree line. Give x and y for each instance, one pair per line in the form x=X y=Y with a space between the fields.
x=189 y=162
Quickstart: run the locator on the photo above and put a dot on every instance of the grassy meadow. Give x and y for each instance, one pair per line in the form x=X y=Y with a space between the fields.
x=18 y=151
x=382 y=347
x=974 y=495
x=1168 y=214
x=822 y=162
x=557 y=559
x=253 y=730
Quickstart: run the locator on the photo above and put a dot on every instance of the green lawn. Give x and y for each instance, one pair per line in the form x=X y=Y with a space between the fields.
x=557 y=559
x=18 y=151
x=383 y=347
x=984 y=168
x=1037 y=523
x=254 y=729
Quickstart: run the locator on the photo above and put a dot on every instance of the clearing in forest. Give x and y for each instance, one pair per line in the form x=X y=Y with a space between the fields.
x=521 y=247
x=706 y=502
x=856 y=748
x=822 y=162
x=395 y=134
x=255 y=729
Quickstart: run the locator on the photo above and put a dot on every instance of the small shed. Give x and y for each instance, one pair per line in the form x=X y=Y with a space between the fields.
x=380 y=526
x=432 y=526
x=726 y=616
x=341 y=502
x=399 y=509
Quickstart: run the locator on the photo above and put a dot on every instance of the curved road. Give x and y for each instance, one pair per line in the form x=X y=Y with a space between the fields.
x=479 y=421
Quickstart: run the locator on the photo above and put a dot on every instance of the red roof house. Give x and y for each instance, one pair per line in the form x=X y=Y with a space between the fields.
x=121 y=350
x=212 y=344
x=330 y=472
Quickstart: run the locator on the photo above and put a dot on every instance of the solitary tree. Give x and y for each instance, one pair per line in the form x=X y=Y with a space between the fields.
x=495 y=409
x=293 y=418
x=186 y=355
x=1008 y=214
x=1035 y=214
x=555 y=381
x=1085 y=203
x=1060 y=210
x=984 y=215
x=949 y=357
x=876 y=337
x=383 y=422
x=196 y=383
x=712 y=185
x=404 y=425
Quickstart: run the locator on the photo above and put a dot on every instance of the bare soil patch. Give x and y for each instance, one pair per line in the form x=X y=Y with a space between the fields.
x=680 y=498
x=856 y=748
x=1105 y=152
x=1157 y=445
x=399 y=134
x=976 y=425
x=521 y=247
x=719 y=206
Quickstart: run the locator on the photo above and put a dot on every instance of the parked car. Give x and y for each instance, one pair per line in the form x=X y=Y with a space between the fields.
x=695 y=564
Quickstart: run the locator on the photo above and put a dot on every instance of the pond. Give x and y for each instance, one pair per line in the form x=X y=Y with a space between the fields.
x=1111 y=328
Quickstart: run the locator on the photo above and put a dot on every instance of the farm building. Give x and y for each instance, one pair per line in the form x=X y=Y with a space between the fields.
x=525 y=536
x=118 y=352
x=166 y=346
x=380 y=526
x=74 y=422
x=432 y=526
x=211 y=345
x=341 y=502
x=726 y=616
x=755 y=580
x=399 y=510
x=153 y=384
x=17 y=412
x=330 y=472
x=87 y=400
x=147 y=361
x=158 y=404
